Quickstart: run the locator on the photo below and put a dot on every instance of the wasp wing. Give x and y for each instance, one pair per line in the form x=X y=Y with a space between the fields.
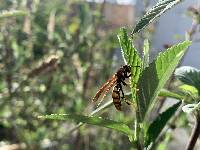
x=106 y=87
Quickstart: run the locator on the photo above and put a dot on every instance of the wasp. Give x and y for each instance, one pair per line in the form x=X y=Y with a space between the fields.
x=116 y=81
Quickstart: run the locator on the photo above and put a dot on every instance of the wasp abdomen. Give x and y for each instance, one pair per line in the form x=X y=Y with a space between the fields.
x=116 y=98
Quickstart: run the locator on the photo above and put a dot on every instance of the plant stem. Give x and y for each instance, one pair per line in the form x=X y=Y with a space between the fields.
x=137 y=135
x=195 y=134
x=139 y=146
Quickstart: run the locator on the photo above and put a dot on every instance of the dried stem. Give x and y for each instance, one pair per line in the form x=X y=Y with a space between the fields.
x=195 y=134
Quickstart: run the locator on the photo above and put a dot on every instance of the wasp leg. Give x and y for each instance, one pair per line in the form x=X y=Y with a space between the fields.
x=124 y=83
x=120 y=89
x=126 y=75
x=131 y=104
x=136 y=66
x=128 y=102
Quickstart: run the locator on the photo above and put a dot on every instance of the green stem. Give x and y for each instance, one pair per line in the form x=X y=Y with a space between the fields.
x=137 y=135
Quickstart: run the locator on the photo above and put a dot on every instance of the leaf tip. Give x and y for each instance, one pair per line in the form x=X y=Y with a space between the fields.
x=188 y=42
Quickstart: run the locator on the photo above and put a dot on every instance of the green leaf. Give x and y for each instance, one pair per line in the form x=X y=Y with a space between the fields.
x=190 y=91
x=131 y=57
x=161 y=7
x=11 y=13
x=154 y=77
x=118 y=126
x=159 y=123
x=129 y=52
x=166 y=93
x=189 y=76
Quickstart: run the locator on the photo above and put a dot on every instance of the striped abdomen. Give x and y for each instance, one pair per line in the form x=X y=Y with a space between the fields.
x=116 y=98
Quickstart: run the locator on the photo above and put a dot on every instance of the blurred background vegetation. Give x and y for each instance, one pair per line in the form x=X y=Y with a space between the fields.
x=53 y=58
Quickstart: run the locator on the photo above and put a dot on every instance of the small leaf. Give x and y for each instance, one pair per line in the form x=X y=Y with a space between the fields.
x=129 y=53
x=131 y=57
x=118 y=126
x=161 y=7
x=11 y=13
x=159 y=123
x=166 y=93
x=190 y=91
x=154 y=77
x=189 y=75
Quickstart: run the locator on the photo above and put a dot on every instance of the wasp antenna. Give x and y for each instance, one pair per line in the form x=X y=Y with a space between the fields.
x=137 y=66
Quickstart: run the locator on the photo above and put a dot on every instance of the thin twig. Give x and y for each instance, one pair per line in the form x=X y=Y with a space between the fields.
x=96 y=111
x=195 y=134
